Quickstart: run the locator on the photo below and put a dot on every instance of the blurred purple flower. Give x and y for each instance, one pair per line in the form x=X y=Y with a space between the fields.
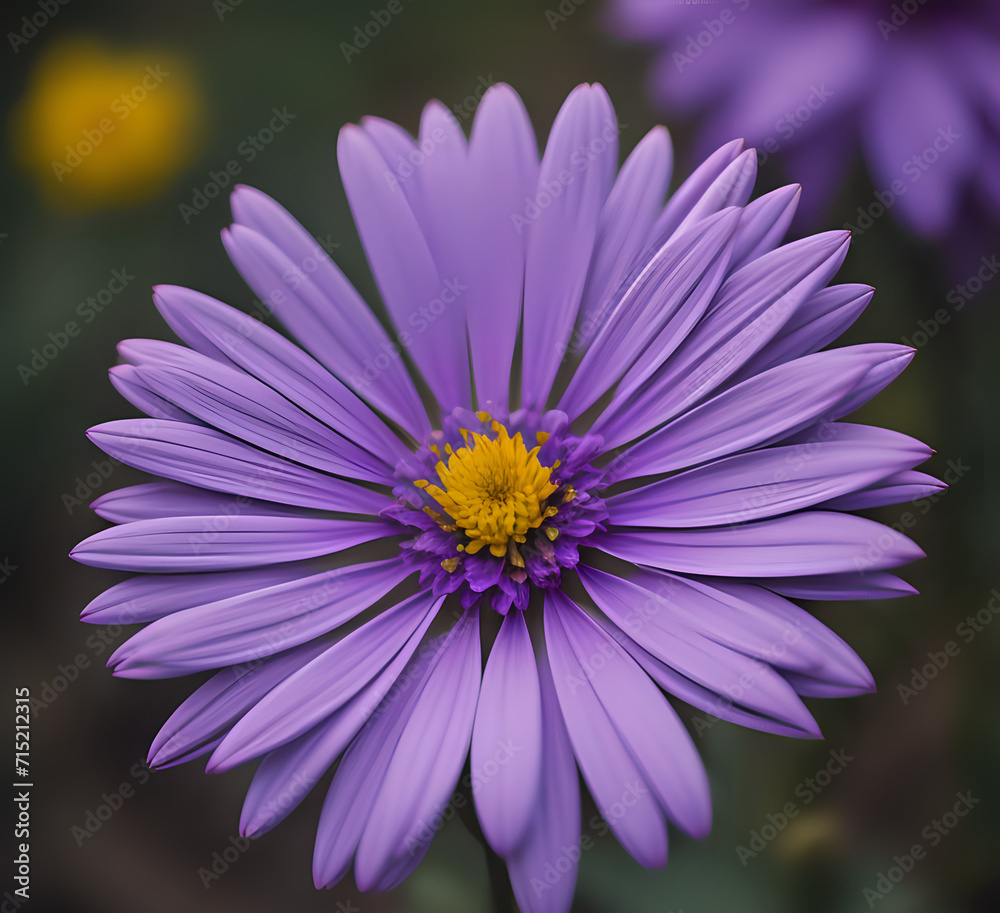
x=631 y=508
x=915 y=85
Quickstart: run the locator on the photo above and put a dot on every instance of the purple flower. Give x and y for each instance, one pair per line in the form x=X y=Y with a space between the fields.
x=915 y=85
x=629 y=509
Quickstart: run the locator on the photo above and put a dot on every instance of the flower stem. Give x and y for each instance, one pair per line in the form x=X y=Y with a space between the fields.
x=500 y=889
x=501 y=892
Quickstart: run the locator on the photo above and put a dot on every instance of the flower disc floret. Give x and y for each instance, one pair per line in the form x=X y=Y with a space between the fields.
x=495 y=491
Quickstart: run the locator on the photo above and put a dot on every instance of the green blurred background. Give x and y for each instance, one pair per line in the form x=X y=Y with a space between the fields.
x=908 y=760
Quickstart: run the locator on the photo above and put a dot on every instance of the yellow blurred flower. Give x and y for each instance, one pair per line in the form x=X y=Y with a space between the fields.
x=104 y=128
x=816 y=832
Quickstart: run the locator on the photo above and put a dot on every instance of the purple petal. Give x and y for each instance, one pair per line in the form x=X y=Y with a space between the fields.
x=427 y=759
x=795 y=641
x=503 y=159
x=435 y=181
x=853 y=585
x=130 y=384
x=695 y=186
x=626 y=220
x=813 y=687
x=352 y=793
x=661 y=303
x=438 y=193
x=242 y=628
x=326 y=684
x=882 y=373
x=732 y=188
x=288 y=772
x=575 y=178
x=178 y=544
x=211 y=710
x=699 y=660
x=763 y=224
x=230 y=336
x=764 y=408
x=404 y=268
x=155 y=500
x=507 y=738
x=395 y=145
x=838 y=458
x=207 y=458
x=374 y=363
x=323 y=310
x=608 y=766
x=740 y=617
x=817 y=323
x=648 y=726
x=894 y=489
x=237 y=404
x=812 y=542
x=553 y=837
x=717 y=706
x=747 y=311
x=150 y=596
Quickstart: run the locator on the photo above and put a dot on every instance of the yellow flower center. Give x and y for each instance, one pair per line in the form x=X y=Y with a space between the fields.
x=100 y=127
x=495 y=490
